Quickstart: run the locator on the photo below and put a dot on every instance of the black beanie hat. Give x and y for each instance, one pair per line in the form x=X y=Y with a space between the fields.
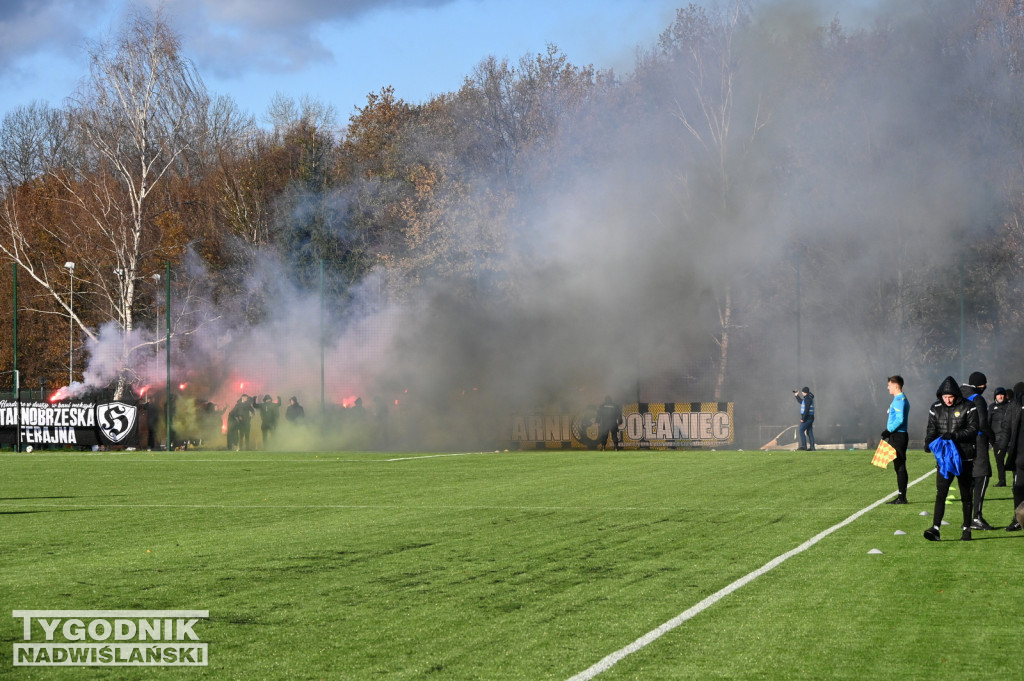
x=1000 y=391
x=977 y=379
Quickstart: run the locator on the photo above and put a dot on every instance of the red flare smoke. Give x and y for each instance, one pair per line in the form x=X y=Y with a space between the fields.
x=61 y=394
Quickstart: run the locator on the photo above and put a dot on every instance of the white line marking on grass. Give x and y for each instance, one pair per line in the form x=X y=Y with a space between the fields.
x=653 y=635
x=433 y=456
x=245 y=461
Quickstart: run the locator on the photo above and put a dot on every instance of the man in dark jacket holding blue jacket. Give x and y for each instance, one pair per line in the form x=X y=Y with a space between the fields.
x=954 y=420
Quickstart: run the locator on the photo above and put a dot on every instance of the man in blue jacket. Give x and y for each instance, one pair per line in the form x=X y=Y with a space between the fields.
x=806 y=399
x=896 y=434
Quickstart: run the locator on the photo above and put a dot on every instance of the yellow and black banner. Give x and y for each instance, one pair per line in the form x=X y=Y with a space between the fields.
x=645 y=425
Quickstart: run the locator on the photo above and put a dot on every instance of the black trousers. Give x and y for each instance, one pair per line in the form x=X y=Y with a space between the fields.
x=999 y=449
x=899 y=442
x=980 y=486
x=602 y=436
x=965 y=481
x=1018 y=484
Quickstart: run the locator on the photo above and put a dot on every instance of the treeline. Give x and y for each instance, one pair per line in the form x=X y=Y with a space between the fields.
x=811 y=203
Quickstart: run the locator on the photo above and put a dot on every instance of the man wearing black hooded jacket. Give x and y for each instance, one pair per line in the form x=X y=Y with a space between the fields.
x=1014 y=453
x=973 y=391
x=956 y=419
x=1000 y=424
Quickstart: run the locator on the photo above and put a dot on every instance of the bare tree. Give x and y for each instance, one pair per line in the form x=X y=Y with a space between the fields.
x=518 y=110
x=132 y=123
x=702 y=49
x=31 y=140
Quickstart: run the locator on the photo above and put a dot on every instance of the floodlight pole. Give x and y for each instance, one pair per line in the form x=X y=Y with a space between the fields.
x=14 y=326
x=323 y=401
x=70 y=266
x=960 y=268
x=167 y=310
x=799 y=304
x=17 y=376
x=156 y=284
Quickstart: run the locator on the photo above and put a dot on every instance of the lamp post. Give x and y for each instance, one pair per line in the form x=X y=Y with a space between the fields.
x=71 y=323
x=156 y=282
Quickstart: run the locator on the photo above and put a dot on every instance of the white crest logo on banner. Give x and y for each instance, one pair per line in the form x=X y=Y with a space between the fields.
x=116 y=419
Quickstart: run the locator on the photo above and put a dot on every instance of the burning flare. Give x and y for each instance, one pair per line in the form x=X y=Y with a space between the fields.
x=67 y=392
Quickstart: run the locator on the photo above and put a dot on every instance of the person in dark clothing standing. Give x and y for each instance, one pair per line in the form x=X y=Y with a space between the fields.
x=210 y=420
x=896 y=434
x=997 y=413
x=152 y=412
x=358 y=411
x=806 y=399
x=982 y=464
x=245 y=427
x=240 y=418
x=954 y=419
x=295 y=413
x=269 y=413
x=609 y=419
x=1014 y=455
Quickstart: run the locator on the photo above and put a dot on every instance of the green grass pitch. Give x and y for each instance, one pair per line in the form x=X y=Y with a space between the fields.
x=513 y=566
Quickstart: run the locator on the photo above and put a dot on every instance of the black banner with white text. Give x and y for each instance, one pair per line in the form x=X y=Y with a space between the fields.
x=44 y=425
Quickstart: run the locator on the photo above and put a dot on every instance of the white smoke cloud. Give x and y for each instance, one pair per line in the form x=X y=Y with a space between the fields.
x=619 y=263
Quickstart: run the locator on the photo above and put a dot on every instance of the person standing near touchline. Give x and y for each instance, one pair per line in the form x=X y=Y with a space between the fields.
x=1015 y=457
x=954 y=419
x=896 y=434
x=806 y=399
x=997 y=412
x=982 y=464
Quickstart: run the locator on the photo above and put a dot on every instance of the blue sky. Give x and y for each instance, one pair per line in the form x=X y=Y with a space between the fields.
x=335 y=51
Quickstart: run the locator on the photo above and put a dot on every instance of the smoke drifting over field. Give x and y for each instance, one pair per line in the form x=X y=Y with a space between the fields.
x=838 y=161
